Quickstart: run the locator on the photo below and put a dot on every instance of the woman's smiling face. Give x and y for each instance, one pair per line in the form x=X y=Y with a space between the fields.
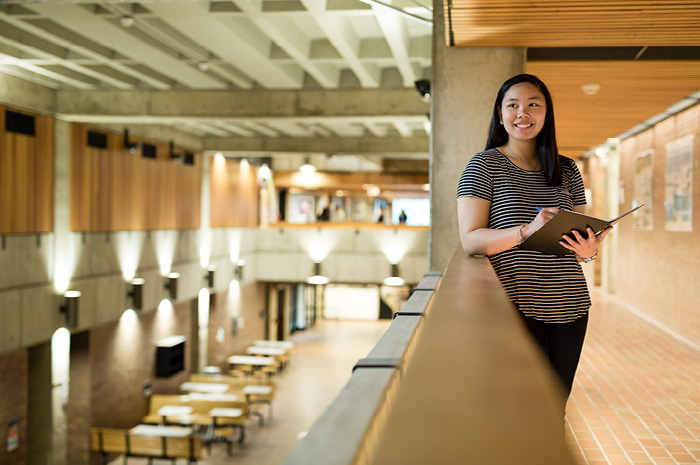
x=523 y=111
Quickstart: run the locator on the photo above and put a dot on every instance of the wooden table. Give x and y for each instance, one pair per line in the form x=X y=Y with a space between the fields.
x=173 y=411
x=213 y=396
x=268 y=351
x=250 y=360
x=256 y=389
x=261 y=390
x=224 y=413
x=275 y=344
x=160 y=430
x=210 y=388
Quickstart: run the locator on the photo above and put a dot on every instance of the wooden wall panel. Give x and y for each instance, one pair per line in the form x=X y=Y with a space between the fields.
x=5 y=177
x=26 y=178
x=233 y=194
x=114 y=190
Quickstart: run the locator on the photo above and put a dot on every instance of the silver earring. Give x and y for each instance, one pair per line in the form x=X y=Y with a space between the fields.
x=501 y=122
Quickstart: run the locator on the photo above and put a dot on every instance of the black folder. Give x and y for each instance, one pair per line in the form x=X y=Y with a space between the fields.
x=546 y=239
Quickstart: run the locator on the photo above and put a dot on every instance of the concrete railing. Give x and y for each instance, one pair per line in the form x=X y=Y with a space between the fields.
x=455 y=379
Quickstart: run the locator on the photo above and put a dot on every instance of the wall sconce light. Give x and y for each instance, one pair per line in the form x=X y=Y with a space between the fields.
x=238 y=272
x=127 y=21
x=171 y=285
x=176 y=157
x=307 y=167
x=136 y=293
x=70 y=308
x=132 y=147
x=590 y=88
x=211 y=269
x=318 y=278
x=394 y=279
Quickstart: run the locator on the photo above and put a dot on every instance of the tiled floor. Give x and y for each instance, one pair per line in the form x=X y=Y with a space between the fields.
x=636 y=398
x=321 y=364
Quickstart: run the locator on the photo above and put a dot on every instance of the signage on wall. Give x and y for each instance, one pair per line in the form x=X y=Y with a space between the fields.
x=13 y=435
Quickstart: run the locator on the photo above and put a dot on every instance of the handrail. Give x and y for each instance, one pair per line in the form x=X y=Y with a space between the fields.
x=455 y=379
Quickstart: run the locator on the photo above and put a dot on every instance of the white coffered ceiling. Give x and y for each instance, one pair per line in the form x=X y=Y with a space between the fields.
x=337 y=76
x=236 y=46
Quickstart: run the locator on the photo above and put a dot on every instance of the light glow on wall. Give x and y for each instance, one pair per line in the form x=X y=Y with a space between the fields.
x=128 y=335
x=164 y=315
x=319 y=244
x=234 y=240
x=128 y=317
x=264 y=173
x=233 y=299
x=203 y=307
x=129 y=245
x=394 y=244
x=203 y=324
x=205 y=242
x=165 y=250
x=60 y=362
x=66 y=252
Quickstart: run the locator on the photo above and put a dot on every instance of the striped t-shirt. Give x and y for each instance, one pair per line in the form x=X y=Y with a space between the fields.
x=546 y=287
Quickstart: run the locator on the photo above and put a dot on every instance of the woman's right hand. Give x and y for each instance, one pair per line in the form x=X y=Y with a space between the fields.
x=540 y=220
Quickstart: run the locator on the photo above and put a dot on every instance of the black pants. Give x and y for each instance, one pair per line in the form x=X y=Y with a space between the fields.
x=562 y=344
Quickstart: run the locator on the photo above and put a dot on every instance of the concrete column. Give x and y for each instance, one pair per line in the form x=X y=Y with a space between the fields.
x=205 y=234
x=463 y=89
x=61 y=205
x=612 y=204
x=40 y=411
x=47 y=433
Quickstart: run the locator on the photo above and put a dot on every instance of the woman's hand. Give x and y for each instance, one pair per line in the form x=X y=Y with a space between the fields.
x=584 y=247
x=540 y=220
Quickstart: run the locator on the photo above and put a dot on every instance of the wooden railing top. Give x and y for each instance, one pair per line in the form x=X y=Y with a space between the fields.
x=455 y=379
x=476 y=390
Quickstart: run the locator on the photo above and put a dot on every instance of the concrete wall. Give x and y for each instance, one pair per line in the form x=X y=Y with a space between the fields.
x=31 y=304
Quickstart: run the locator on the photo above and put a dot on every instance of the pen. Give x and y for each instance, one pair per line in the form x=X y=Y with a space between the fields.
x=539 y=209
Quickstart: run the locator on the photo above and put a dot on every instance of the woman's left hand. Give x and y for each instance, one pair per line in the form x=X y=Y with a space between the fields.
x=584 y=247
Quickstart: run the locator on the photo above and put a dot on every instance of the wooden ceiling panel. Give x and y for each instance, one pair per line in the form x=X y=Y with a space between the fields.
x=630 y=92
x=573 y=23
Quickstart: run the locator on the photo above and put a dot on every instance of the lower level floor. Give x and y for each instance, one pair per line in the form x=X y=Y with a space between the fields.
x=636 y=397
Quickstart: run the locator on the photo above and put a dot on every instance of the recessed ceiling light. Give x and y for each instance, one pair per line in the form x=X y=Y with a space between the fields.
x=590 y=88
x=126 y=21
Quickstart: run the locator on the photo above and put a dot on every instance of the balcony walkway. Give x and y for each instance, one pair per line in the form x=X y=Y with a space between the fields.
x=636 y=399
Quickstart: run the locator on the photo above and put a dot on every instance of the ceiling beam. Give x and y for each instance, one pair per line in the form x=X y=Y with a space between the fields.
x=152 y=106
x=401 y=147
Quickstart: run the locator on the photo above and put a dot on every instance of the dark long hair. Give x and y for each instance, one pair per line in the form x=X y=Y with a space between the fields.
x=546 y=142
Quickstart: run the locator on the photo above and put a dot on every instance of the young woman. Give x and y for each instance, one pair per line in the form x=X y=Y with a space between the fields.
x=509 y=191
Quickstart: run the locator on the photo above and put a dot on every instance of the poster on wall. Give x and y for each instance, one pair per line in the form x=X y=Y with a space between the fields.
x=643 y=190
x=301 y=209
x=13 y=435
x=679 y=185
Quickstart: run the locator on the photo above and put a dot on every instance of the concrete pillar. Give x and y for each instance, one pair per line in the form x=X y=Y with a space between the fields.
x=612 y=210
x=47 y=425
x=40 y=410
x=204 y=299
x=463 y=88
x=61 y=205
